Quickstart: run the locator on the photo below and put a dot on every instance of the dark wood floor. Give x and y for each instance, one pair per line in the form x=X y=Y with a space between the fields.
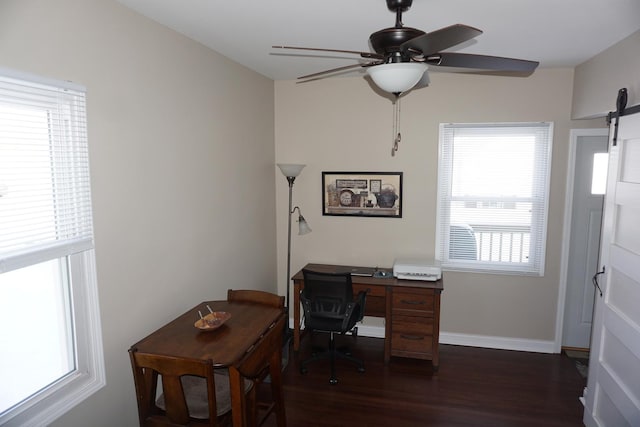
x=473 y=387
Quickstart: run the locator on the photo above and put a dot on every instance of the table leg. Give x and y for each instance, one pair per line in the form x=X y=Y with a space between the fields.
x=275 y=371
x=238 y=408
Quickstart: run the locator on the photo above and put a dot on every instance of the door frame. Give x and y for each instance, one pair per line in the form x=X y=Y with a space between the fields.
x=574 y=136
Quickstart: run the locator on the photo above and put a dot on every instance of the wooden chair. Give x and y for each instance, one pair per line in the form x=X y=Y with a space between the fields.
x=264 y=360
x=193 y=392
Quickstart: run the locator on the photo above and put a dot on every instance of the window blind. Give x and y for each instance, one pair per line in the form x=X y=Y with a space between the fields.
x=45 y=200
x=493 y=184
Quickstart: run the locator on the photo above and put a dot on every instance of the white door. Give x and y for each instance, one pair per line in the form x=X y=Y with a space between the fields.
x=589 y=148
x=612 y=397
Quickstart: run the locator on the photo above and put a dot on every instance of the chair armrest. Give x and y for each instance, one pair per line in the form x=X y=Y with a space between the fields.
x=361 y=300
x=358 y=302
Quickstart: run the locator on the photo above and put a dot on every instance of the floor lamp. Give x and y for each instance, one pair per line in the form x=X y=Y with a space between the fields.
x=291 y=171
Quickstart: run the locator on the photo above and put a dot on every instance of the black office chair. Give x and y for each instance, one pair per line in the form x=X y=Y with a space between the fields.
x=329 y=306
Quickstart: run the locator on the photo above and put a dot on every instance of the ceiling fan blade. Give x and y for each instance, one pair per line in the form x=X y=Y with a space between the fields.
x=482 y=62
x=353 y=52
x=314 y=76
x=441 y=39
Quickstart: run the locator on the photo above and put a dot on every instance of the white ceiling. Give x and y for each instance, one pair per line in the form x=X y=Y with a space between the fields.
x=557 y=33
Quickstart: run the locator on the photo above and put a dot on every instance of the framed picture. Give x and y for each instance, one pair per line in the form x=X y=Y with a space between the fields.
x=374 y=194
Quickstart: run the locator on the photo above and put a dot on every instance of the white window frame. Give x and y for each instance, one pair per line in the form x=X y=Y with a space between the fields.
x=89 y=376
x=540 y=200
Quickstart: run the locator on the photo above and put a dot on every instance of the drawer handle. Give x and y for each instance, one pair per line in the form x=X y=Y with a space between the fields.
x=412 y=337
x=412 y=302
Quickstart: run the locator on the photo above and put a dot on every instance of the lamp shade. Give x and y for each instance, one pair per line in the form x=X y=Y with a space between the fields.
x=290 y=170
x=303 y=227
x=397 y=77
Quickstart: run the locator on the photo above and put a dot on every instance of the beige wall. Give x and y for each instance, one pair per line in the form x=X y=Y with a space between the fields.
x=598 y=80
x=341 y=124
x=182 y=157
x=183 y=177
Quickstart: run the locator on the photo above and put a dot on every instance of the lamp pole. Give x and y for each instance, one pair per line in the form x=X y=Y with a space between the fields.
x=290 y=180
x=291 y=171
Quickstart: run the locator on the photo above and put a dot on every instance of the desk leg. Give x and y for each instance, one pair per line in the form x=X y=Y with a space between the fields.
x=387 y=325
x=296 y=315
x=436 y=333
x=238 y=407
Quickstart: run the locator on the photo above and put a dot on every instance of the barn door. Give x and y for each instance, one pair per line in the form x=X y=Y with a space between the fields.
x=612 y=397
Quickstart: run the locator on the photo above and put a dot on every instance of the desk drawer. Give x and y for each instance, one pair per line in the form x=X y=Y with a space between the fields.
x=412 y=336
x=404 y=342
x=412 y=325
x=421 y=300
x=371 y=290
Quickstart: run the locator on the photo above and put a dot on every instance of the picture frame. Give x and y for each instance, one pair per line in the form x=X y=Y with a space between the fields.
x=363 y=194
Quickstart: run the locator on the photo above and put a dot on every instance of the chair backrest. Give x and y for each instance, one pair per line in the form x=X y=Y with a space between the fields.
x=147 y=368
x=264 y=358
x=327 y=287
x=260 y=297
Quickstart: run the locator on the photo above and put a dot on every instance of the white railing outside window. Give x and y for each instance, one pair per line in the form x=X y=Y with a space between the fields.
x=502 y=244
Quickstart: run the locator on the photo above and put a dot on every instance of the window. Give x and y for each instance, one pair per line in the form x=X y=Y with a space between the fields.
x=493 y=184
x=51 y=356
x=599 y=174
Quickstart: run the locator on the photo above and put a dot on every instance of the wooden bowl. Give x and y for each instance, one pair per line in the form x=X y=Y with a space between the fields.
x=212 y=321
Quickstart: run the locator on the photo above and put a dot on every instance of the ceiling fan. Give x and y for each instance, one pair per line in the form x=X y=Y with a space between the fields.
x=415 y=49
x=402 y=54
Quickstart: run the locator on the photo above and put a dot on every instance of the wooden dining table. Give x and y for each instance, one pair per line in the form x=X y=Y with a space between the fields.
x=225 y=346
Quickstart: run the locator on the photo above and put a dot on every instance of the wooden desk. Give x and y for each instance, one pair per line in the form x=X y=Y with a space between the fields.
x=225 y=346
x=411 y=309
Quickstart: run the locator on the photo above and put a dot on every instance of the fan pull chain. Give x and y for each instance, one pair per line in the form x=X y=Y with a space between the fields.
x=397 y=137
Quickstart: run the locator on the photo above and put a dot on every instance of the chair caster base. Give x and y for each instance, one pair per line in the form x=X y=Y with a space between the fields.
x=333 y=381
x=344 y=350
x=361 y=369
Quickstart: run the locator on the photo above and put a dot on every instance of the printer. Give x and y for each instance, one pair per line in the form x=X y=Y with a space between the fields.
x=417 y=269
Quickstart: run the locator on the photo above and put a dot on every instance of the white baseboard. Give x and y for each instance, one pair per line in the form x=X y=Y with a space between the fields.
x=503 y=343
x=483 y=341
x=371 y=331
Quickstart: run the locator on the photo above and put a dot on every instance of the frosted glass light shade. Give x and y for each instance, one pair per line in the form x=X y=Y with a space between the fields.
x=303 y=227
x=397 y=77
x=290 y=170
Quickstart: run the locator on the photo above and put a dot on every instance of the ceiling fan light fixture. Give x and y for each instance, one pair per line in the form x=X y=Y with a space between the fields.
x=397 y=77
